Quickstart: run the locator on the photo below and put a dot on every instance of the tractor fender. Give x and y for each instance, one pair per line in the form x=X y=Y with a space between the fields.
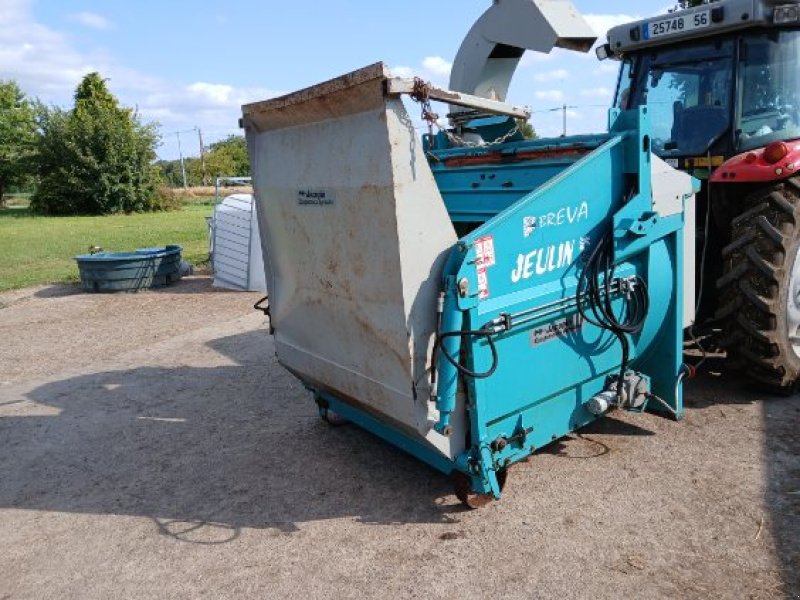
x=752 y=167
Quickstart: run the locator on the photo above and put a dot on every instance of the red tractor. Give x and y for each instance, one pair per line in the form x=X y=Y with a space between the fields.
x=721 y=82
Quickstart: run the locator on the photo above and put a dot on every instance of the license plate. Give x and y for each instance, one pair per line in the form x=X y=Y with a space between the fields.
x=676 y=25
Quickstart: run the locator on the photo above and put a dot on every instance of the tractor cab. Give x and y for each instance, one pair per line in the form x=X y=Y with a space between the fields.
x=719 y=79
x=721 y=83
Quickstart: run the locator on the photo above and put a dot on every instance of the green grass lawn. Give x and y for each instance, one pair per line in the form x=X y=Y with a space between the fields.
x=38 y=250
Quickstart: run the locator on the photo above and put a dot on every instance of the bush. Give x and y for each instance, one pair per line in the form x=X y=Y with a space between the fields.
x=97 y=158
x=165 y=198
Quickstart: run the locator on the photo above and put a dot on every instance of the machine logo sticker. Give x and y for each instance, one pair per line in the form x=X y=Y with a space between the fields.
x=484 y=249
x=309 y=197
x=569 y=215
x=544 y=260
x=558 y=329
x=528 y=226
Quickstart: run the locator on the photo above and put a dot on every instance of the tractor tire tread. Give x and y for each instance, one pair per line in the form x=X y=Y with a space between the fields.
x=752 y=287
x=762 y=265
x=749 y=214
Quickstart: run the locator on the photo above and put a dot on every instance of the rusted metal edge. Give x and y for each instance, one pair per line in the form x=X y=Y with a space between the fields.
x=394 y=86
x=398 y=85
x=504 y=158
x=372 y=72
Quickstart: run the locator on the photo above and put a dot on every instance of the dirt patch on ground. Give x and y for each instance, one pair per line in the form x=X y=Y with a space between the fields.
x=62 y=327
x=156 y=450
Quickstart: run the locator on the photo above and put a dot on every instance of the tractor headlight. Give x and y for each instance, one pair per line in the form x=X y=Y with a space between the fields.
x=789 y=13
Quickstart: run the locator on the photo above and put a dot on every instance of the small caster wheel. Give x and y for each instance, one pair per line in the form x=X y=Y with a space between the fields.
x=332 y=419
x=471 y=499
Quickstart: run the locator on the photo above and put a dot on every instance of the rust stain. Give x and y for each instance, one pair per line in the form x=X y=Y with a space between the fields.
x=500 y=158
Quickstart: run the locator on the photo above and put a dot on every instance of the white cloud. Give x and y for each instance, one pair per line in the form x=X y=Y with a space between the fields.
x=432 y=68
x=46 y=64
x=555 y=75
x=90 y=19
x=40 y=59
x=437 y=65
x=601 y=23
x=550 y=95
x=202 y=96
x=402 y=71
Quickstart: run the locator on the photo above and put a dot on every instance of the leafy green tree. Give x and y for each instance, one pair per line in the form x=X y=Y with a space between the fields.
x=96 y=158
x=18 y=127
x=170 y=172
x=526 y=129
x=233 y=151
x=226 y=158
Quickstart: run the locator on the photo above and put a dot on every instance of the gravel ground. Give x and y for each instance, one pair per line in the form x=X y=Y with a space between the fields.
x=151 y=447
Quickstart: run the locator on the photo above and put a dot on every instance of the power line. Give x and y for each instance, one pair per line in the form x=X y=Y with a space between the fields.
x=564 y=108
x=558 y=108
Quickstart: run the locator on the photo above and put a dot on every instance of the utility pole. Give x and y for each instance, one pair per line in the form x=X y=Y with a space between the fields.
x=183 y=164
x=202 y=154
x=564 y=109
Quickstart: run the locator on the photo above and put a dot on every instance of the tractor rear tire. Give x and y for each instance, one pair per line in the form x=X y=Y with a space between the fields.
x=760 y=288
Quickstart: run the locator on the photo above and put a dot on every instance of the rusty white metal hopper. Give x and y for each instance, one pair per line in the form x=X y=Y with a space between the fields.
x=355 y=234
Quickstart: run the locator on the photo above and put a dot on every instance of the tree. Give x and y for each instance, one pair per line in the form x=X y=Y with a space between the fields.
x=233 y=152
x=18 y=128
x=526 y=129
x=96 y=158
x=226 y=158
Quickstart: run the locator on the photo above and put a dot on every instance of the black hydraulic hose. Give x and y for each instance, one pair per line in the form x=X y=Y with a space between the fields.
x=487 y=333
x=260 y=305
x=598 y=296
x=265 y=308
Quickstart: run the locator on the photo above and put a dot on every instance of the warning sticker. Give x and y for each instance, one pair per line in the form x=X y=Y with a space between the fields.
x=484 y=247
x=484 y=250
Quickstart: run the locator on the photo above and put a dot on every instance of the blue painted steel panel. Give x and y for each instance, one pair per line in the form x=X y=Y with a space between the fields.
x=550 y=366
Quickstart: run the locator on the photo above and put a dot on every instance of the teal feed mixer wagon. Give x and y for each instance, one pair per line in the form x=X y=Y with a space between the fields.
x=470 y=296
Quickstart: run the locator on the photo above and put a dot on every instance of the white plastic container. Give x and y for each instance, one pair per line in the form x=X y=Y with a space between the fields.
x=236 y=248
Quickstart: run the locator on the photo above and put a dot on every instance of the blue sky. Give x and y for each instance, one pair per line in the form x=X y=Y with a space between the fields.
x=190 y=64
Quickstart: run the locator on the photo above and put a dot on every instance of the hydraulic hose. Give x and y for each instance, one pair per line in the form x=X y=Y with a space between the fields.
x=595 y=282
x=487 y=333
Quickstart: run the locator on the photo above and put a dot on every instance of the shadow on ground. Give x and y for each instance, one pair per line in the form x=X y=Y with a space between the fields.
x=718 y=385
x=204 y=452
x=207 y=451
x=200 y=283
x=59 y=290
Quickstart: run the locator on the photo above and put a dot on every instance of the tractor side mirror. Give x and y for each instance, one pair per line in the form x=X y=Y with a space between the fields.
x=603 y=52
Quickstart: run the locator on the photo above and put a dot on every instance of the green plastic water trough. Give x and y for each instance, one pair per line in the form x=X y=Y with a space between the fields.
x=130 y=271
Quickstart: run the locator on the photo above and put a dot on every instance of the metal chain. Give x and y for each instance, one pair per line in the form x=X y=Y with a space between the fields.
x=421 y=95
x=459 y=141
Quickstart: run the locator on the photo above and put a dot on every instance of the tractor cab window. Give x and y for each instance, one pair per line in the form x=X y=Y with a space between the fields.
x=769 y=89
x=687 y=90
x=624 y=85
